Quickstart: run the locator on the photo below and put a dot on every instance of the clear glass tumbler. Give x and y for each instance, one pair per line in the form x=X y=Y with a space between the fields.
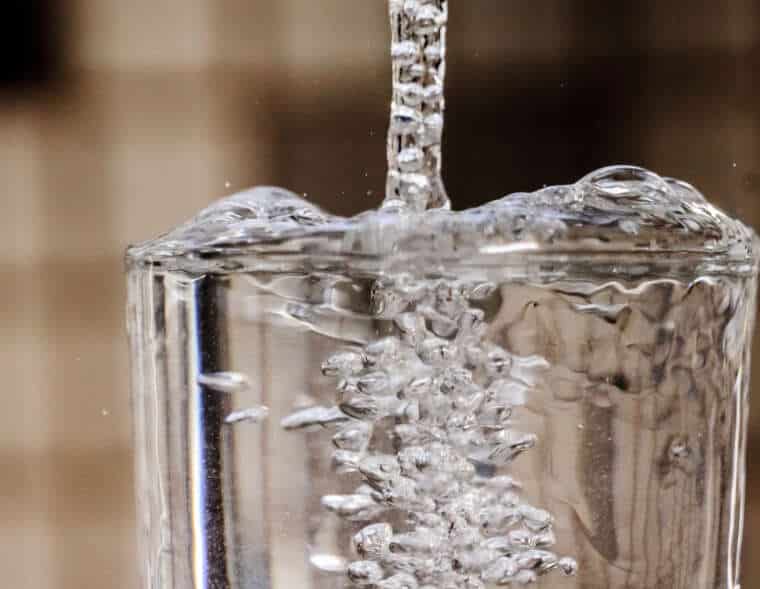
x=548 y=389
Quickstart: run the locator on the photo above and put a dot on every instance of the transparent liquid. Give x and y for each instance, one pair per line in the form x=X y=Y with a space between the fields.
x=315 y=429
x=418 y=54
x=549 y=389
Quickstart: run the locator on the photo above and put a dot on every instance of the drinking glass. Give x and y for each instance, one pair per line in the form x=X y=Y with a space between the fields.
x=551 y=389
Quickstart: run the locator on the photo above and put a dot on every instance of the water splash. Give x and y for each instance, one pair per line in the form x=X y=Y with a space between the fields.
x=622 y=209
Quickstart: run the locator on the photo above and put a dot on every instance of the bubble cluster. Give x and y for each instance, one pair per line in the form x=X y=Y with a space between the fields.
x=445 y=395
x=621 y=210
x=418 y=54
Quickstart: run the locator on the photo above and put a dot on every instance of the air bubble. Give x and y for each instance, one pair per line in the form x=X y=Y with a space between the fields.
x=405 y=120
x=568 y=566
x=625 y=181
x=359 y=507
x=251 y=415
x=343 y=364
x=329 y=563
x=313 y=416
x=365 y=572
x=225 y=382
x=373 y=541
x=354 y=436
x=405 y=53
x=410 y=159
x=400 y=581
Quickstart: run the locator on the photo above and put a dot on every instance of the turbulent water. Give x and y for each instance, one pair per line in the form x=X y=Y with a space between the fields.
x=549 y=389
x=424 y=417
x=616 y=214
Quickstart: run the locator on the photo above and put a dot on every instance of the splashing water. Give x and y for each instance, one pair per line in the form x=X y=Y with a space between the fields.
x=582 y=348
x=496 y=404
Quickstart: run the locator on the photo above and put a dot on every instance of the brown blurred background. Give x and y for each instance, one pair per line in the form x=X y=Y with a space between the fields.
x=118 y=119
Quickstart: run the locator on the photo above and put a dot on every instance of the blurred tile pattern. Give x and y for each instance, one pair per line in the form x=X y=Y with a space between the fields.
x=165 y=106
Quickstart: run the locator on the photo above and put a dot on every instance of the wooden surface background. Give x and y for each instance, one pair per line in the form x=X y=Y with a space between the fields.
x=146 y=111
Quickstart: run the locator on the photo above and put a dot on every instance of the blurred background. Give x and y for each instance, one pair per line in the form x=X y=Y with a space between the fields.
x=121 y=119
